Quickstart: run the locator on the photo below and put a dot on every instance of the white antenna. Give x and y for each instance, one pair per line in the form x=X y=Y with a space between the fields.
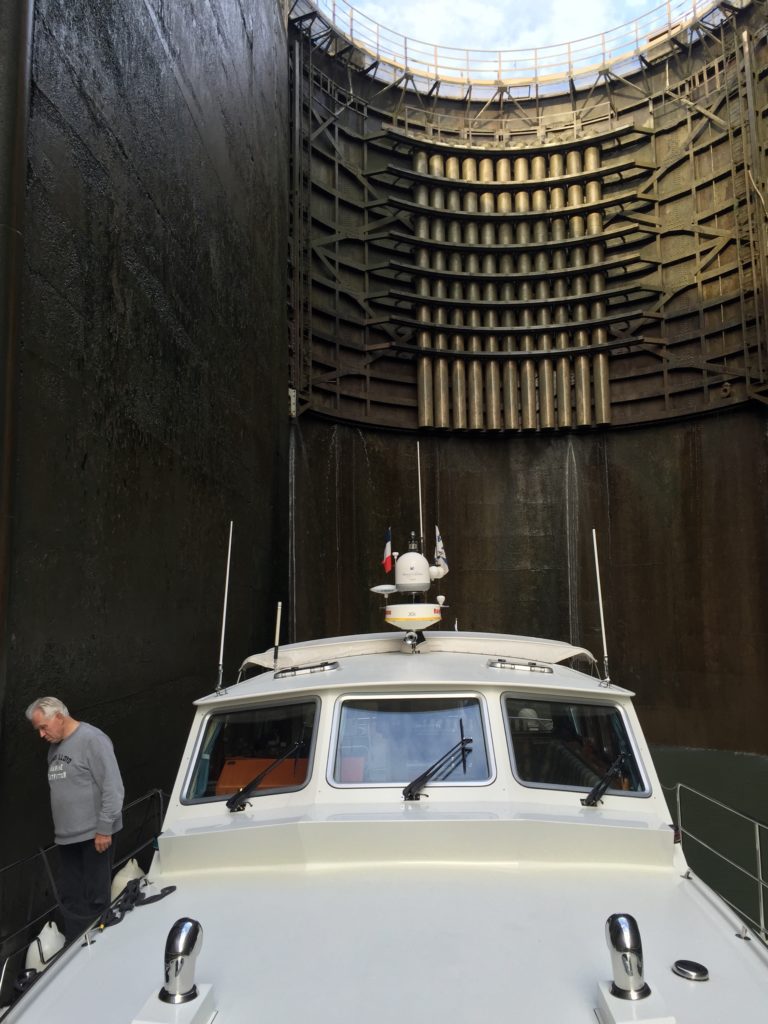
x=224 y=615
x=606 y=677
x=421 y=516
x=277 y=633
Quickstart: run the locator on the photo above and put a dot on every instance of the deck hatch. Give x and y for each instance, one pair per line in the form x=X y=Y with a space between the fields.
x=306 y=670
x=519 y=666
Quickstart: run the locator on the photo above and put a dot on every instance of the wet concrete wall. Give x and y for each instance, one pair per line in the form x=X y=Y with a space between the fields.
x=151 y=389
x=680 y=512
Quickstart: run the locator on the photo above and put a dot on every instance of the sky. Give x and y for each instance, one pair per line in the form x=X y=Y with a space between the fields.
x=504 y=24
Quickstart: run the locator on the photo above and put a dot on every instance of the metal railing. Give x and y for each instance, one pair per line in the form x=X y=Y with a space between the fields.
x=142 y=822
x=393 y=54
x=703 y=822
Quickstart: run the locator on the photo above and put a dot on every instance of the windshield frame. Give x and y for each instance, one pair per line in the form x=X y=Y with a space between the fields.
x=409 y=695
x=588 y=701
x=255 y=705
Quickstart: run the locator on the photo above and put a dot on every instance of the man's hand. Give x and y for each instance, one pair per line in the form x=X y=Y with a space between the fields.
x=101 y=842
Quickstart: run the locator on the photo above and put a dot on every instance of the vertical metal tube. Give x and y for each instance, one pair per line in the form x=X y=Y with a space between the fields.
x=424 y=340
x=436 y=165
x=472 y=293
x=544 y=367
x=760 y=886
x=503 y=173
x=546 y=370
x=581 y=363
x=439 y=369
x=600 y=371
x=525 y=294
x=425 y=397
x=469 y=168
x=440 y=376
x=679 y=819
x=538 y=172
x=487 y=199
x=595 y=256
x=559 y=230
x=492 y=376
x=452 y=168
x=475 y=369
x=492 y=393
x=458 y=369
x=579 y=288
x=455 y=399
x=510 y=378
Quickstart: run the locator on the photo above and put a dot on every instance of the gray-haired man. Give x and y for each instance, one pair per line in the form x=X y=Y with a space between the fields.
x=86 y=802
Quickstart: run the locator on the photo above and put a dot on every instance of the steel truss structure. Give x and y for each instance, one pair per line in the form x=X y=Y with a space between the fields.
x=520 y=258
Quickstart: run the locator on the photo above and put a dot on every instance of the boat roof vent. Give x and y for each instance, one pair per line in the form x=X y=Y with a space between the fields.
x=306 y=670
x=518 y=666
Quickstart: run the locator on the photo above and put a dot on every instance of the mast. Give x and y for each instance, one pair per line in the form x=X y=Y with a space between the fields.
x=224 y=613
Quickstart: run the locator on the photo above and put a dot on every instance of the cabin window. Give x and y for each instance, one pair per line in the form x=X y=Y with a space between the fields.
x=392 y=740
x=570 y=745
x=237 y=746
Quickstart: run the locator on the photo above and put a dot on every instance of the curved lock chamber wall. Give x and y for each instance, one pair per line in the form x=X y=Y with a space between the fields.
x=560 y=287
x=539 y=254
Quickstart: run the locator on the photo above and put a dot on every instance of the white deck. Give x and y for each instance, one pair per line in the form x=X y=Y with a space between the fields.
x=416 y=942
x=480 y=902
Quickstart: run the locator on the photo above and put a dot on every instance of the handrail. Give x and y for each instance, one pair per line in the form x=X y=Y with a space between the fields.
x=757 y=877
x=718 y=803
x=43 y=852
x=394 y=55
x=126 y=807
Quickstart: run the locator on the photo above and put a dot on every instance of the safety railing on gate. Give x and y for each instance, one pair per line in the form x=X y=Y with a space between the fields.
x=728 y=850
x=623 y=48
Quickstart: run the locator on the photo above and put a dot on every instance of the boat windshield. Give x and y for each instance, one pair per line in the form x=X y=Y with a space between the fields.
x=570 y=745
x=392 y=740
x=239 y=745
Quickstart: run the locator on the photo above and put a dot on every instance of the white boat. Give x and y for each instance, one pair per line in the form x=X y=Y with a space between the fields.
x=446 y=826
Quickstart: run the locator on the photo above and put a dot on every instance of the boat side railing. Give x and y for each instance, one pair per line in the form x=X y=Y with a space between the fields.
x=727 y=849
x=31 y=881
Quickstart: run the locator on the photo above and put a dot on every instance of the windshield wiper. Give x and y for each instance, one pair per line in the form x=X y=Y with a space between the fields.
x=459 y=750
x=239 y=799
x=595 y=795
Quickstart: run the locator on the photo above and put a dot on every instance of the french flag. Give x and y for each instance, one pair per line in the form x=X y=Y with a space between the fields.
x=387 y=559
x=440 y=560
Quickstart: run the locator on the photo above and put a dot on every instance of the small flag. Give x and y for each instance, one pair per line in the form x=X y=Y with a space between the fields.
x=440 y=559
x=386 y=561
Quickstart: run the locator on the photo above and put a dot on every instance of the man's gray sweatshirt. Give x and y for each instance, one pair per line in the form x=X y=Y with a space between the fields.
x=86 y=788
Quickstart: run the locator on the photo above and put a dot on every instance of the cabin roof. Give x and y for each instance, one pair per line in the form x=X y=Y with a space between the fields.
x=449 y=660
x=500 y=644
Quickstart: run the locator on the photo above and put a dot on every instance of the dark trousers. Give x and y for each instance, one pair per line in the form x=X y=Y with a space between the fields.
x=84 y=880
